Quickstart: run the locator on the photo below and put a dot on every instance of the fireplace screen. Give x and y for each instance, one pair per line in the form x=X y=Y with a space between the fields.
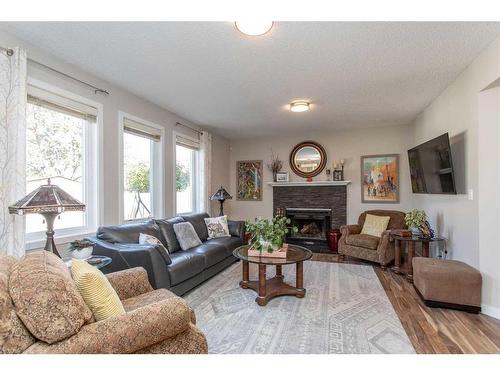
x=311 y=223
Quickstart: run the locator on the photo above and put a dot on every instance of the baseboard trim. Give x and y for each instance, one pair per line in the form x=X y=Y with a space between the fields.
x=494 y=312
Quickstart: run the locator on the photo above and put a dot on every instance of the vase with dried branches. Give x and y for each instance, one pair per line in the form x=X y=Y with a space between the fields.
x=275 y=165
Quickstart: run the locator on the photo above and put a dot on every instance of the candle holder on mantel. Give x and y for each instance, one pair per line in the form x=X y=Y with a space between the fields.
x=338 y=170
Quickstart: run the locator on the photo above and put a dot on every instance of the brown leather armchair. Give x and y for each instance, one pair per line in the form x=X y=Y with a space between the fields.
x=367 y=247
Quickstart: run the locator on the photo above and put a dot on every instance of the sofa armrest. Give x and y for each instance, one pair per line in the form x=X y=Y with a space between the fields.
x=130 y=283
x=126 y=333
x=385 y=248
x=152 y=258
x=236 y=228
x=350 y=229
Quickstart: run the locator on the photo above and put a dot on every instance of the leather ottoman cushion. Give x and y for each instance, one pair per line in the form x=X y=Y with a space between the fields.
x=46 y=298
x=363 y=240
x=213 y=253
x=185 y=264
x=14 y=336
x=229 y=243
x=198 y=222
x=448 y=281
x=167 y=234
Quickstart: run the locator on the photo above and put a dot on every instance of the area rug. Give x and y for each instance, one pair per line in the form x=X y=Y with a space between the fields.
x=345 y=310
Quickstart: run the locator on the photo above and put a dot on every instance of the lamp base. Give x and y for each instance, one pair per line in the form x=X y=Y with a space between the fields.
x=50 y=245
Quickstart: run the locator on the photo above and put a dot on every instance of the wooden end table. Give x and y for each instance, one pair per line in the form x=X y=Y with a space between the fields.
x=276 y=286
x=410 y=242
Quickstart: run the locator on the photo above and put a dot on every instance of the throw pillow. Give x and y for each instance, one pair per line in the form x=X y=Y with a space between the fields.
x=375 y=225
x=147 y=239
x=217 y=227
x=96 y=290
x=186 y=235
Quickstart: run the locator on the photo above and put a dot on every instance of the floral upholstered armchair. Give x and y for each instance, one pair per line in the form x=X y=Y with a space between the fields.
x=364 y=246
x=41 y=311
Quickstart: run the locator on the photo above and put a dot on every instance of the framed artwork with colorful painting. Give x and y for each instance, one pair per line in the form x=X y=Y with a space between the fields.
x=249 y=180
x=380 y=178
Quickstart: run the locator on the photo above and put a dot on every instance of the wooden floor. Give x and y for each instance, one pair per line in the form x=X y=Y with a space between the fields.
x=433 y=330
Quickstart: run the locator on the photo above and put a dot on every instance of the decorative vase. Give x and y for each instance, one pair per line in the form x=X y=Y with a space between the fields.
x=415 y=231
x=82 y=254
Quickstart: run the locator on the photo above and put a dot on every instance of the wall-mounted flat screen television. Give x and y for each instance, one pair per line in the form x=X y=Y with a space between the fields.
x=431 y=167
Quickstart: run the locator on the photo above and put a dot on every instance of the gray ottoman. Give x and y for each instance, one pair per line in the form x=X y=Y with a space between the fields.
x=447 y=283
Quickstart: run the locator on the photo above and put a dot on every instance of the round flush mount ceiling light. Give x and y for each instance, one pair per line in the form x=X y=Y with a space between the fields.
x=299 y=106
x=254 y=28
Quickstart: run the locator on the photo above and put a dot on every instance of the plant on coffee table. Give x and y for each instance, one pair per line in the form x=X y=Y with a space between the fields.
x=269 y=235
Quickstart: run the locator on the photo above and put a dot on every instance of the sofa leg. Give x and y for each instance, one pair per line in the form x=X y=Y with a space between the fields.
x=341 y=258
x=383 y=267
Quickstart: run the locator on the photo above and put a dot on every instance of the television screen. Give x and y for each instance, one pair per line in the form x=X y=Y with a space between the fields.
x=431 y=167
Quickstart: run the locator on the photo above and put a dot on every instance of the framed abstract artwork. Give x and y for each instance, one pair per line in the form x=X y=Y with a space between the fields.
x=249 y=180
x=380 y=178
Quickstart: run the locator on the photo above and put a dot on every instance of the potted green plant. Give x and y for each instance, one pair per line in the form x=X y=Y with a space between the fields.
x=415 y=219
x=81 y=249
x=268 y=236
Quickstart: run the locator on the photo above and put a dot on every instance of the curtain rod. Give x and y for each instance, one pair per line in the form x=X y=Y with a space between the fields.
x=97 y=90
x=190 y=128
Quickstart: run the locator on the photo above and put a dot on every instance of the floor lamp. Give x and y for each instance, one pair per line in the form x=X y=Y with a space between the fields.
x=221 y=195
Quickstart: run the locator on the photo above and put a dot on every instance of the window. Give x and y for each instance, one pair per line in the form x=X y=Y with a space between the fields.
x=141 y=169
x=61 y=145
x=186 y=174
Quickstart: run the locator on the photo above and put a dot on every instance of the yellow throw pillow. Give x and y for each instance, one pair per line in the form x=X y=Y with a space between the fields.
x=96 y=290
x=375 y=225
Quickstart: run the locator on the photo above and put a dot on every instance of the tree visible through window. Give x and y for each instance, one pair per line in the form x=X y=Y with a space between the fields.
x=55 y=150
x=185 y=166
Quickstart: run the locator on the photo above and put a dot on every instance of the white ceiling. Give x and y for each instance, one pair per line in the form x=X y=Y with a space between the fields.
x=354 y=74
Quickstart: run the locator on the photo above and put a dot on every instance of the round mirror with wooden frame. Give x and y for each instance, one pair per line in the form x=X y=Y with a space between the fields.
x=308 y=159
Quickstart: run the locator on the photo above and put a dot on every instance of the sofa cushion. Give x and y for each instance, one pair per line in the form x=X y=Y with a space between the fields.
x=14 y=336
x=185 y=264
x=198 y=221
x=127 y=233
x=363 y=240
x=186 y=235
x=397 y=220
x=167 y=234
x=96 y=290
x=229 y=243
x=46 y=298
x=213 y=253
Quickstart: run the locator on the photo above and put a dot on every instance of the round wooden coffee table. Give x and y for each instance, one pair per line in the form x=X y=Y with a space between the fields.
x=276 y=286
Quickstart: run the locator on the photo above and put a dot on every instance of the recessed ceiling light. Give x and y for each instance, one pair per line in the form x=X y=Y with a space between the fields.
x=300 y=106
x=254 y=27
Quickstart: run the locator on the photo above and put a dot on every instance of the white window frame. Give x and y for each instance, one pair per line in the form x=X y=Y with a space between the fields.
x=93 y=190
x=196 y=172
x=157 y=166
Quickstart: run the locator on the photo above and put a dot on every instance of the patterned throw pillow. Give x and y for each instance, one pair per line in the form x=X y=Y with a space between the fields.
x=147 y=239
x=217 y=227
x=96 y=290
x=186 y=235
x=375 y=225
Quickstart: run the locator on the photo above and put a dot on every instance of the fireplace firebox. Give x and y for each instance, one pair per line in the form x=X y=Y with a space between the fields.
x=312 y=224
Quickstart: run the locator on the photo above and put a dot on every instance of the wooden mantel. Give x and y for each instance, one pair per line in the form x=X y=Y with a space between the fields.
x=312 y=183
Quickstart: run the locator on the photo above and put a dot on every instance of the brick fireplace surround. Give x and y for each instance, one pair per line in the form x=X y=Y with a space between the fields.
x=333 y=197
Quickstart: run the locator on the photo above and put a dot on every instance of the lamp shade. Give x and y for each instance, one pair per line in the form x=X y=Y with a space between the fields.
x=221 y=195
x=47 y=198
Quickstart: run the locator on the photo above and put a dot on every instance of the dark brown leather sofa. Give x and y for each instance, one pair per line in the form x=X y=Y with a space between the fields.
x=363 y=246
x=177 y=270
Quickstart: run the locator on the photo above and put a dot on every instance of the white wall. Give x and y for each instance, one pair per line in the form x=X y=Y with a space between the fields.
x=120 y=100
x=339 y=144
x=489 y=198
x=456 y=111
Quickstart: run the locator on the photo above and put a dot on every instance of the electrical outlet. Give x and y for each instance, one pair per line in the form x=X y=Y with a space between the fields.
x=470 y=195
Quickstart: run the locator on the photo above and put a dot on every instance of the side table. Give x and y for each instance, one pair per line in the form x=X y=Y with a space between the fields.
x=410 y=242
